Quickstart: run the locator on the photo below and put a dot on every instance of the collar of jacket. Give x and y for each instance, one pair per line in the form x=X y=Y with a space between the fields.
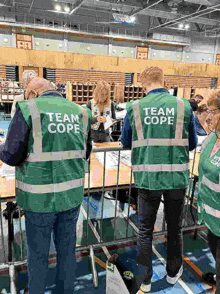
x=53 y=93
x=159 y=90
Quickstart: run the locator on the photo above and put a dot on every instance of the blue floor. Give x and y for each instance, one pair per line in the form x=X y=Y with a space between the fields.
x=201 y=257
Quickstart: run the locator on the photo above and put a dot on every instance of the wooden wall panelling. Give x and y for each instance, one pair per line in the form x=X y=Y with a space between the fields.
x=184 y=81
x=83 y=76
x=180 y=92
x=187 y=93
x=54 y=59
x=69 y=91
x=217 y=60
x=3 y=72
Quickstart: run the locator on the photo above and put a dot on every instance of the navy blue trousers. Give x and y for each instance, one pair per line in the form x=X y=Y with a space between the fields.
x=214 y=244
x=39 y=227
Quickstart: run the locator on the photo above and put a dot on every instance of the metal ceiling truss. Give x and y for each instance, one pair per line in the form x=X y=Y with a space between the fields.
x=190 y=16
x=145 y=8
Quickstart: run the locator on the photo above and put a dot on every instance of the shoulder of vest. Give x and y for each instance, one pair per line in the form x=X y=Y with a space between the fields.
x=207 y=140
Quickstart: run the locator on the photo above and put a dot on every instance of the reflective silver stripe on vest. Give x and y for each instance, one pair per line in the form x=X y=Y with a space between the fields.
x=211 y=211
x=178 y=141
x=85 y=123
x=38 y=155
x=160 y=142
x=214 y=187
x=180 y=118
x=56 y=156
x=137 y=120
x=206 y=141
x=160 y=167
x=36 y=123
x=50 y=188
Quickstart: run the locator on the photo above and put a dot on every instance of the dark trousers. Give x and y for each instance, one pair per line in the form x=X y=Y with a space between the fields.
x=148 y=204
x=39 y=227
x=100 y=136
x=214 y=244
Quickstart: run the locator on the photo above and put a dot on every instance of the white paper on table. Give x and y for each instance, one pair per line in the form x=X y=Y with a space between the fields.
x=108 y=123
x=7 y=171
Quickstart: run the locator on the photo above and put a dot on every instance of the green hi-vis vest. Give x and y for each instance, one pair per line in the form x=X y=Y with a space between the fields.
x=51 y=179
x=160 y=141
x=209 y=190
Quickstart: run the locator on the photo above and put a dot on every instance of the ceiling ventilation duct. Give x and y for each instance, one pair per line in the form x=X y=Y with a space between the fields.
x=201 y=2
x=169 y=38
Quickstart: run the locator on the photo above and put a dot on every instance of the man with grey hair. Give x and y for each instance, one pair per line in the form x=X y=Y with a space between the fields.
x=27 y=76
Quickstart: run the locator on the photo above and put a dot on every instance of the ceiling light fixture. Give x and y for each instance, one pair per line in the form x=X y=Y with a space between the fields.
x=132 y=18
x=67 y=9
x=58 y=7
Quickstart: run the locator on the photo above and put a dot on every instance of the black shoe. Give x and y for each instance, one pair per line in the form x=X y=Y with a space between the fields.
x=209 y=278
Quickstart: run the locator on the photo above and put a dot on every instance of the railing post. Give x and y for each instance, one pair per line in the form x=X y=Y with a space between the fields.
x=13 y=279
x=94 y=271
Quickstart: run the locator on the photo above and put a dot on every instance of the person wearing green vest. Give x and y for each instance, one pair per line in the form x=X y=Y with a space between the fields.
x=48 y=142
x=209 y=178
x=160 y=128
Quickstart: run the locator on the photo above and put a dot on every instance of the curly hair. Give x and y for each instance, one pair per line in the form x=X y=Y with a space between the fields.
x=102 y=92
x=27 y=76
x=202 y=108
x=214 y=99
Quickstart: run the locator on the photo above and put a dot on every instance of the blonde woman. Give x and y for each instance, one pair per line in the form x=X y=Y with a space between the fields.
x=101 y=107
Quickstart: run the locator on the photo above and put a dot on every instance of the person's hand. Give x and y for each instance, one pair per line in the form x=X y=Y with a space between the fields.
x=101 y=119
x=2 y=141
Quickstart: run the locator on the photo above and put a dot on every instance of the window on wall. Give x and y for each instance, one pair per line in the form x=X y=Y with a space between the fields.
x=142 y=52
x=24 y=41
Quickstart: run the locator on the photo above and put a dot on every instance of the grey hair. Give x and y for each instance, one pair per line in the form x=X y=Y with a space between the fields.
x=27 y=76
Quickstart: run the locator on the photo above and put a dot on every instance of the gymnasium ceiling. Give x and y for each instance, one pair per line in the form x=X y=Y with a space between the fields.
x=97 y=16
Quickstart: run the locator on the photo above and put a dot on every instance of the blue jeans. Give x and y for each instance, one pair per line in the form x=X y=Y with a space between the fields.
x=148 y=204
x=39 y=227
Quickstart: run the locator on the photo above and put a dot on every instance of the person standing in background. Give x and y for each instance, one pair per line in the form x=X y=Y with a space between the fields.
x=101 y=107
x=48 y=142
x=160 y=128
x=27 y=76
x=200 y=120
x=209 y=189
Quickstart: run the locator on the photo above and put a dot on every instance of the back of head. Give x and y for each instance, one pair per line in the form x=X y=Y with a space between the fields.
x=152 y=75
x=198 y=98
x=27 y=76
x=193 y=104
x=201 y=109
x=37 y=86
x=101 y=94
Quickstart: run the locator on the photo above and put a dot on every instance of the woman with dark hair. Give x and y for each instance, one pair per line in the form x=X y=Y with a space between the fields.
x=209 y=191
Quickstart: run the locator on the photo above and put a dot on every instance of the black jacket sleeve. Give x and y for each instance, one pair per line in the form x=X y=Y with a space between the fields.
x=15 y=149
x=113 y=110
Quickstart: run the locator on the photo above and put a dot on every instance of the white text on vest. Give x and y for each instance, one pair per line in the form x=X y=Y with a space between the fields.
x=158 y=116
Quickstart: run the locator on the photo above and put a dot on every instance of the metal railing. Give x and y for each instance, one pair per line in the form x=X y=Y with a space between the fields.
x=94 y=224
